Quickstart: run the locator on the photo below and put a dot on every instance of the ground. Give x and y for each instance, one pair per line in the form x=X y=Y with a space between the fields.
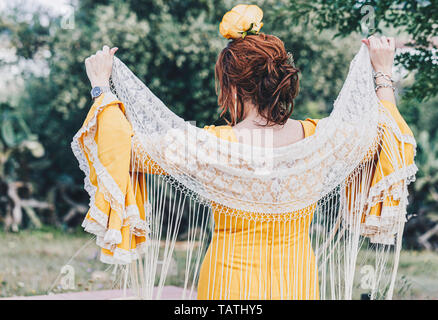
x=31 y=262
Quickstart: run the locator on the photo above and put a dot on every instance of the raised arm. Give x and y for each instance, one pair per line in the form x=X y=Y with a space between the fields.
x=99 y=66
x=382 y=52
x=117 y=213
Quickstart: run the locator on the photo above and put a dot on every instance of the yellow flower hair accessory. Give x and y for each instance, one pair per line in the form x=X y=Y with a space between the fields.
x=240 y=21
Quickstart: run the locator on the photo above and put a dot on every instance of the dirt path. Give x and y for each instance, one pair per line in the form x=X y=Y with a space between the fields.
x=169 y=293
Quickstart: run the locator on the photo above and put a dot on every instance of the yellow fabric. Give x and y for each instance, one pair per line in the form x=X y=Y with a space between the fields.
x=252 y=255
x=384 y=167
x=244 y=265
x=113 y=139
x=233 y=232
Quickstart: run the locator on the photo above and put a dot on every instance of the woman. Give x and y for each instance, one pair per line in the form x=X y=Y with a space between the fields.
x=248 y=258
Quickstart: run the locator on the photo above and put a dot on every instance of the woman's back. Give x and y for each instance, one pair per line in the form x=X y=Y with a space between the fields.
x=249 y=132
x=269 y=211
x=250 y=257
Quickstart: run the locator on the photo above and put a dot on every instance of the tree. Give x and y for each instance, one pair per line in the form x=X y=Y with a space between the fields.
x=17 y=146
x=173 y=45
x=416 y=19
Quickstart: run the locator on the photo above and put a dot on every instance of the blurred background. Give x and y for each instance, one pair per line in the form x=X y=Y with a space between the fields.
x=173 y=45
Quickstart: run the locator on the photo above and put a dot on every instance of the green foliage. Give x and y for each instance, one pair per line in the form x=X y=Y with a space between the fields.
x=17 y=142
x=417 y=19
x=425 y=189
x=423 y=201
x=173 y=45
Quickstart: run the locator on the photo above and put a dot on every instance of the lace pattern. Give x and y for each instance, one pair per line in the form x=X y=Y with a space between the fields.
x=261 y=180
x=320 y=185
x=106 y=185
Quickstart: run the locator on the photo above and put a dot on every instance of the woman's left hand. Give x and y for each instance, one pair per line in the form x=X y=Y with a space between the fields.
x=382 y=52
x=99 y=66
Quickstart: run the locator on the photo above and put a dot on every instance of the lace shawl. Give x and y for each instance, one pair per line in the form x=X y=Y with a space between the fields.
x=346 y=185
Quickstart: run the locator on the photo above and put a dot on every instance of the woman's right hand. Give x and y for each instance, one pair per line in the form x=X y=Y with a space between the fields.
x=382 y=51
x=99 y=66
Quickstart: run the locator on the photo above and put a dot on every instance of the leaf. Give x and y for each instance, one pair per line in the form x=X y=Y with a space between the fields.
x=8 y=134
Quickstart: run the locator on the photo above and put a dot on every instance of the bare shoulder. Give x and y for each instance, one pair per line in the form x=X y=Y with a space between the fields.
x=274 y=136
x=293 y=131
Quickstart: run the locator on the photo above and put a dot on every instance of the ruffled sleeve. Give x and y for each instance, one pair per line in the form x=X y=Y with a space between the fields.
x=117 y=212
x=393 y=170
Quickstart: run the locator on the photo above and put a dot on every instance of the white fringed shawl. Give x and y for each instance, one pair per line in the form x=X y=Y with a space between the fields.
x=325 y=182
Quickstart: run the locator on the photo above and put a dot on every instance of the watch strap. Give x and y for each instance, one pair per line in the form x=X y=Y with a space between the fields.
x=97 y=91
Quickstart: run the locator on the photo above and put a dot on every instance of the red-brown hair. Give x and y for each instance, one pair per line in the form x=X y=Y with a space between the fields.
x=258 y=66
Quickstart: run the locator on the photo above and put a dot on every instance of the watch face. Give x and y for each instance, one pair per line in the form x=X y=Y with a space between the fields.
x=96 y=91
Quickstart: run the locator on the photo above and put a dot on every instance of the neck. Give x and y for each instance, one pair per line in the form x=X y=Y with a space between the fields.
x=251 y=117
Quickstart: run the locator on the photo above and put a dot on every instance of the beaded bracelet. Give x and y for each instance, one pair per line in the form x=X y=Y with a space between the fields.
x=384 y=75
x=384 y=85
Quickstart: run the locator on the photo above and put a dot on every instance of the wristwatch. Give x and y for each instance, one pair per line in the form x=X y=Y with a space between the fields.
x=97 y=91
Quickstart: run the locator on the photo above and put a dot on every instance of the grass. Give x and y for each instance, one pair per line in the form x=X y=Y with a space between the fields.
x=31 y=262
x=417 y=275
